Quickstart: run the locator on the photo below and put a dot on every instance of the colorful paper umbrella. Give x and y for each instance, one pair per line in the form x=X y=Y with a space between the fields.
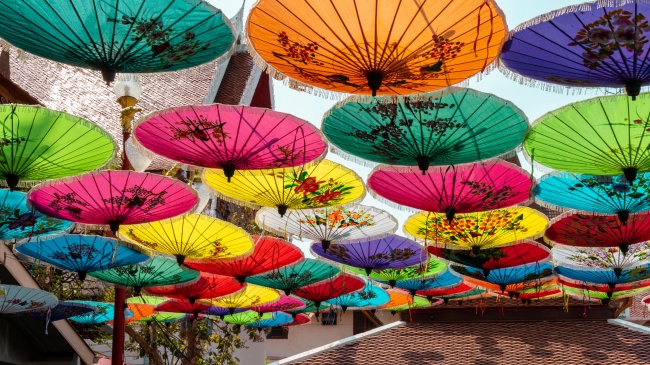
x=445 y=292
x=330 y=288
x=221 y=312
x=536 y=292
x=17 y=221
x=597 y=44
x=415 y=302
x=582 y=294
x=285 y=303
x=104 y=313
x=157 y=272
x=16 y=299
x=118 y=36
x=599 y=136
x=183 y=306
x=535 y=272
x=398 y=298
x=290 y=278
x=113 y=198
x=374 y=254
x=370 y=297
x=474 y=293
x=298 y=320
x=140 y=311
x=163 y=317
x=605 y=288
x=600 y=194
x=81 y=253
x=207 y=286
x=322 y=185
x=191 y=235
x=375 y=47
x=331 y=224
x=583 y=258
x=39 y=144
x=586 y=230
x=63 y=310
x=269 y=253
x=452 y=189
x=246 y=317
x=147 y=299
x=414 y=284
x=310 y=307
x=230 y=137
x=277 y=319
x=485 y=286
x=391 y=276
x=252 y=296
x=604 y=276
x=480 y=230
x=450 y=127
x=495 y=258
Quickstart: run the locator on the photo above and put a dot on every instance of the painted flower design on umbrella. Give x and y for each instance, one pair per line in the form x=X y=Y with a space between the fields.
x=493 y=195
x=439 y=228
x=139 y=198
x=27 y=304
x=200 y=129
x=68 y=202
x=611 y=256
x=314 y=192
x=338 y=218
x=76 y=252
x=39 y=224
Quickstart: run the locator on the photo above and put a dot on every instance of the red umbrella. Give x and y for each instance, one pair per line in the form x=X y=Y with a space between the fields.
x=208 y=286
x=299 y=319
x=432 y=294
x=330 y=288
x=183 y=306
x=269 y=253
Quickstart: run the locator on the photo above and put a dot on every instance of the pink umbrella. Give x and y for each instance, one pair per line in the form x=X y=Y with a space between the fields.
x=113 y=198
x=285 y=303
x=452 y=189
x=230 y=137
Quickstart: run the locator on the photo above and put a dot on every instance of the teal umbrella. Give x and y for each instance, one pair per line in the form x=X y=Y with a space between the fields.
x=17 y=221
x=290 y=278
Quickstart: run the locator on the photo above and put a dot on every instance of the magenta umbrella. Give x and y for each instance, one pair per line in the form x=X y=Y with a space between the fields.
x=285 y=303
x=230 y=137
x=465 y=188
x=113 y=198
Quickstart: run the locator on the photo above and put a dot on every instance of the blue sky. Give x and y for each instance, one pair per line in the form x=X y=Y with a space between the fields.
x=534 y=102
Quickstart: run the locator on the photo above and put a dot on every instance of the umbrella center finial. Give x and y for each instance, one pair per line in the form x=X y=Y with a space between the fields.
x=108 y=75
x=630 y=174
x=375 y=79
x=282 y=209
x=633 y=87
x=12 y=181
x=392 y=283
x=623 y=216
x=325 y=244
x=624 y=247
x=451 y=214
x=228 y=171
x=180 y=259
x=423 y=163
x=618 y=271
x=114 y=226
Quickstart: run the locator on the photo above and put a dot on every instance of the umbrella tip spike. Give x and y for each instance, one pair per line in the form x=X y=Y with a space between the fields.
x=633 y=88
x=630 y=174
x=108 y=75
x=375 y=79
x=423 y=163
x=229 y=171
x=325 y=244
x=12 y=181
x=282 y=209
x=180 y=259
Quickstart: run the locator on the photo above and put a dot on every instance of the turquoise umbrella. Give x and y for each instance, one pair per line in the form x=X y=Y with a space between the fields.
x=370 y=297
x=17 y=221
x=104 y=313
x=277 y=319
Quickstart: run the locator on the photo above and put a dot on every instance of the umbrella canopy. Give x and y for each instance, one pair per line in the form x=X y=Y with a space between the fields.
x=191 y=235
x=40 y=144
x=221 y=312
x=18 y=222
x=118 y=36
x=147 y=299
x=330 y=224
x=375 y=47
x=81 y=253
x=276 y=319
x=488 y=259
x=269 y=253
x=536 y=272
x=230 y=137
x=452 y=189
x=605 y=298
x=612 y=258
x=599 y=136
x=252 y=296
x=290 y=278
x=473 y=293
x=566 y=282
x=158 y=272
x=246 y=317
x=600 y=194
x=299 y=319
x=480 y=230
x=414 y=284
x=601 y=45
x=374 y=254
x=16 y=299
x=322 y=185
x=428 y=268
x=285 y=303
x=413 y=303
x=433 y=293
x=113 y=198
x=63 y=310
x=183 y=306
x=140 y=311
x=370 y=297
x=207 y=286
x=310 y=306
x=449 y=127
x=587 y=230
x=604 y=276
x=536 y=292
x=330 y=288
x=163 y=317
x=104 y=313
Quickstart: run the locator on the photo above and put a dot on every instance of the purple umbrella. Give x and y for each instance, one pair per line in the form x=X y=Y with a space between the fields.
x=392 y=252
x=588 y=45
x=221 y=312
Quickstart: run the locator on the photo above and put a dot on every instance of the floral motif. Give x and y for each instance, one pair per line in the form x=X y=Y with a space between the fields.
x=139 y=198
x=616 y=188
x=314 y=192
x=609 y=257
x=28 y=304
x=490 y=194
x=200 y=129
x=465 y=228
x=69 y=203
x=338 y=218
x=16 y=141
x=292 y=280
x=287 y=156
x=367 y=294
x=616 y=31
x=394 y=255
x=76 y=252
x=131 y=235
x=472 y=258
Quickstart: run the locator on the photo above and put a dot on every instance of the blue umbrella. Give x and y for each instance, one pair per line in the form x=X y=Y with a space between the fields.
x=277 y=319
x=604 y=276
x=444 y=280
x=103 y=314
x=600 y=194
x=18 y=222
x=81 y=253
x=507 y=276
x=370 y=297
x=63 y=310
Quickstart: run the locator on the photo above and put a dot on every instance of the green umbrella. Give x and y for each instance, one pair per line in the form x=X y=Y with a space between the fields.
x=37 y=143
x=290 y=278
x=392 y=276
x=246 y=317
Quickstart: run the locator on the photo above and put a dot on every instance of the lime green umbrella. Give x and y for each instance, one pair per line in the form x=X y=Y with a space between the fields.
x=37 y=143
x=246 y=317
x=601 y=136
x=392 y=276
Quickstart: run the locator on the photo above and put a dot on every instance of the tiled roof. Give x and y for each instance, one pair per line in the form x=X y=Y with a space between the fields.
x=234 y=80
x=565 y=343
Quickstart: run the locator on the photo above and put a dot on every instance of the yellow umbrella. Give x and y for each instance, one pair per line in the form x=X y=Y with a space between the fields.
x=492 y=228
x=191 y=235
x=309 y=186
x=251 y=296
x=375 y=46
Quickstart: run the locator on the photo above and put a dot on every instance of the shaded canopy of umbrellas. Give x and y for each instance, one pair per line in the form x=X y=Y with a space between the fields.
x=191 y=235
x=163 y=317
x=221 y=312
x=330 y=288
x=253 y=295
x=374 y=254
x=310 y=306
x=591 y=230
x=246 y=317
x=604 y=276
x=158 y=272
x=414 y=302
x=276 y=319
x=18 y=222
x=63 y=310
x=452 y=189
x=583 y=293
x=480 y=230
x=612 y=258
x=104 y=313
x=474 y=293
x=330 y=224
x=488 y=259
x=375 y=47
x=536 y=292
x=450 y=127
x=207 y=286
x=370 y=297
x=434 y=293
x=600 y=194
x=183 y=306
x=40 y=144
x=290 y=278
x=597 y=44
x=308 y=186
x=600 y=136
x=81 y=253
x=431 y=267
x=16 y=299
x=605 y=288
x=269 y=253
x=113 y=198
x=444 y=280
x=285 y=303
x=530 y=273
x=230 y=137
x=118 y=36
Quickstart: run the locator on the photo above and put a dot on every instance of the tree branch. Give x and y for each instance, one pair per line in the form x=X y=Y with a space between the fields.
x=155 y=357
